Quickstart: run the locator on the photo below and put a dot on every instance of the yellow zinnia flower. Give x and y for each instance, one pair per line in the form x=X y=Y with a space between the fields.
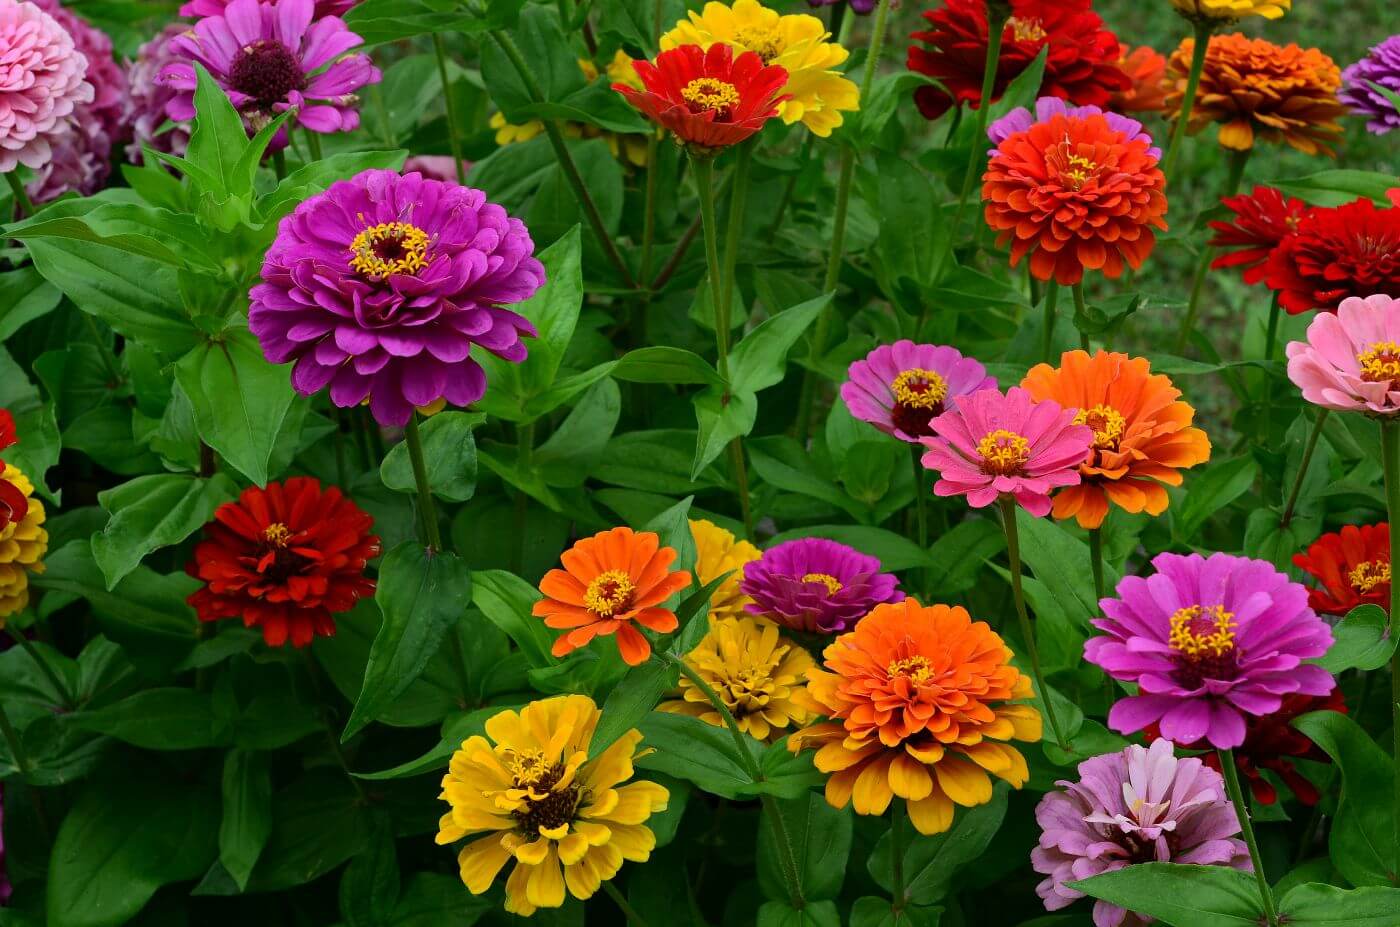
x=532 y=790
x=508 y=133
x=797 y=43
x=1231 y=10
x=717 y=552
x=754 y=670
x=22 y=543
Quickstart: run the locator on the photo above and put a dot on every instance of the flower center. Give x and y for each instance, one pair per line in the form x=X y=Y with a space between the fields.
x=554 y=809
x=1367 y=576
x=266 y=71
x=1026 y=28
x=832 y=584
x=610 y=593
x=1199 y=631
x=919 y=389
x=1107 y=424
x=760 y=41
x=916 y=669
x=708 y=94
x=1380 y=363
x=1077 y=170
x=1004 y=452
x=389 y=248
x=527 y=767
x=277 y=534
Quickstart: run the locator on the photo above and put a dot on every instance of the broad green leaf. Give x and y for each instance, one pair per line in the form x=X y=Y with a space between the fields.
x=631 y=700
x=35 y=424
x=782 y=914
x=654 y=461
x=24 y=296
x=894 y=551
x=1181 y=896
x=673 y=528
x=1061 y=562
x=540 y=38
x=171 y=238
x=820 y=839
x=369 y=886
x=1330 y=906
x=1212 y=490
x=1360 y=641
x=1335 y=187
x=310 y=179
x=758 y=361
x=431 y=899
x=449 y=454
x=577 y=445
x=720 y=419
x=554 y=311
x=932 y=863
x=873 y=911
x=506 y=600
x=151 y=512
x=380 y=21
x=247 y=820
x=318 y=823
x=157 y=719
x=697 y=752
x=664 y=364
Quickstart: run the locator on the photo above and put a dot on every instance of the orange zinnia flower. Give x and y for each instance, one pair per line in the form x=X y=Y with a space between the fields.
x=1142 y=432
x=1075 y=192
x=609 y=581
x=1147 y=68
x=918 y=698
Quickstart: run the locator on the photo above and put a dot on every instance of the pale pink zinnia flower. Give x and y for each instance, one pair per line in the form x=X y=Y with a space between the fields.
x=1350 y=361
x=992 y=444
x=44 y=79
x=899 y=388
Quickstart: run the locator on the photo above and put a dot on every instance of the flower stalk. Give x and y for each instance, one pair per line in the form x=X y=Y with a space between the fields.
x=1013 y=552
x=1390 y=458
x=24 y=206
x=454 y=142
x=1203 y=28
x=1237 y=161
x=1303 y=467
x=1232 y=787
x=1096 y=559
x=1047 y=336
x=427 y=508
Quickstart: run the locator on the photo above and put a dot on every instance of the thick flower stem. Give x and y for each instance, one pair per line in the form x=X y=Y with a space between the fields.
x=1237 y=160
x=279 y=164
x=649 y=210
x=898 y=812
x=427 y=508
x=724 y=306
x=313 y=144
x=1203 y=29
x=1232 y=787
x=566 y=160
x=633 y=918
x=1013 y=553
x=24 y=206
x=49 y=673
x=705 y=184
x=1047 y=337
x=454 y=142
x=1303 y=468
x=1096 y=560
x=1271 y=337
x=1390 y=457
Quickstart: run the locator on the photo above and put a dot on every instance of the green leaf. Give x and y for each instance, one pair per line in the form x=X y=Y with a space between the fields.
x=894 y=551
x=663 y=364
x=577 y=445
x=171 y=238
x=1335 y=187
x=631 y=700
x=541 y=40
x=1061 y=562
x=873 y=911
x=506 y=600
x=1181 y=896
x=820 y=839
x=758 y=361
x=449 y=452
x=310 y=179
x=317 y=823
x=1330 y=906
x=247 y=820
x=434 y=900
x=673 y=528
x=35 y=424
x=380 y=21
x=932 y=863
x=369 y=886
x=157 y=719
x=782 y=914
x=1360 y=641
x=1212 y=490
x=24 y=296
x=720 y=419
x=151 y=512
x=697 y=752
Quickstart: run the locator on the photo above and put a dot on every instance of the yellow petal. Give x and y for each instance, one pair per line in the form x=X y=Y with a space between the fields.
x=931 y=815
x=963 y=782
x=545 y=885
x=532 y=853
x=633 y=841
x=516 y=900
x=909 y=779
x=572 y=848
x=872 y=793
x=636 y=802
x=480 y=861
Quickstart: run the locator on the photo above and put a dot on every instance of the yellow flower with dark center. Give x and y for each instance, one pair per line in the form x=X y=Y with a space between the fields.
x=1231 y=10
x=23 y=543
x=531 y=789
x=718 y=552
x=798 y=43
x=754 y=670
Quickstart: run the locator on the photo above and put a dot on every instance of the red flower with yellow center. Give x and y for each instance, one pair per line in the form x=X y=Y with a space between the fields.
x=1263 y=219
x=1349 y=250
x=1352 y=567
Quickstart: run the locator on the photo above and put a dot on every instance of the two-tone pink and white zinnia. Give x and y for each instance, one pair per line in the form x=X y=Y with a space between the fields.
x=1350 y=361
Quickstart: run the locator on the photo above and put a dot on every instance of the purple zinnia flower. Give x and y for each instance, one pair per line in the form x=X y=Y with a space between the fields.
x=900 y=387
x=149 y=97
x=44 y=83
x=268 y=58
x=1208 y=641
x=818 y=585
x=197 y=8
x=380 y=286
x=1020 y=119
x=862 y=7
x=1141 y=805
x=1380 y=66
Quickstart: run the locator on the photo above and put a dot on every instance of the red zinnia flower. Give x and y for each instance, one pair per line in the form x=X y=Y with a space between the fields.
x=707 y=99
x=1351 y=250
x=14 y=504
x=284 y=559
x=1081 y=67
x=1353 y=566
x=1263 y=219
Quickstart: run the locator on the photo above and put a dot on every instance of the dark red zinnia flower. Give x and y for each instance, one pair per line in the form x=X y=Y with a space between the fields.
x=14 y=504
x=1352 y=567
x=1350 y=250
x=284 y=559
x=1081 y=66
x=1263 y=219
x=707 y=99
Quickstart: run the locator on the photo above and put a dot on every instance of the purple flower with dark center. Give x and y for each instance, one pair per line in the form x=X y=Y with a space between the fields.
x=1020 y=119
x=816 y=585
x=900 y=387
x=1381 y=66
x=1208 y=641
x=380 y=287
x=147 y=101
x=269 y=58
x=1141 y=805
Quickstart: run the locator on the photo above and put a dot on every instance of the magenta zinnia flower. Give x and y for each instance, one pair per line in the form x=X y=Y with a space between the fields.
x=44 y=81
x=1208 y=641
x=992 y=444
x=149 y=97
x=899 y=387
x=1351 y=359
x=197 y=8
x=380 y=287
x=818 y=585
x=1021 y=119
x=269 y=58
x=1381 y=66
x=1140 y=805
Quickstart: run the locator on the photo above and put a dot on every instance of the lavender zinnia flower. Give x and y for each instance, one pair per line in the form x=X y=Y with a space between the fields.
x=149 y=97
x=1381 y=66
x=1208 y=641
x=44 y=82
x=1141 y=805
x=197 y=8
x=814 y=584
x=899 y=388
x=1021 y=119
x=380 y=287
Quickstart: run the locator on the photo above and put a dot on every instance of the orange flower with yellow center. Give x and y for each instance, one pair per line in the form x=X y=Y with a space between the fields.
x=920 y=702
x=1142 y=433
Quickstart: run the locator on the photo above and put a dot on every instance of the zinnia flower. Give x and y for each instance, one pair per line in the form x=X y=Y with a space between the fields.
x=815 y=93
x=900 y=387
x=754 y=670
x=44 y=83
x=1140 y=805
x=1352 y=250
x=148 y=98
x=1147 y=70
x=1350 y=361
x=920 y=706
x=1076 y=192
x=717 y=551
x=708 y=100
x=381 y=286
x=1142 y=433
x=608 y=582
x=1260 y=92
x=434 y=167
x=14 y=502
x=992 y=444
x=1352 y=566
x=531 y=789
x=270 y=57
x=197 y=8
x=816 y=585
x=23 y=540
x=1081 y=65
x=1381 y=66
x=1209 y=642
x=285 y=559
x=1231 y=10
x=1263 y=219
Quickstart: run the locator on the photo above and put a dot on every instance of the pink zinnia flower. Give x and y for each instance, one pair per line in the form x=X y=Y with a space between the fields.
x=1351 y=360
x=435 y=167
x=149 y=97
x=900 y=387
x=197 y=8
x=992 y=444
x=44 y=81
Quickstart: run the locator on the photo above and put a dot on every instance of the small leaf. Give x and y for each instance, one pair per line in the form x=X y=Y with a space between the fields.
x=758 y=361
x=247 y=821
x=449 y=453
x=720 y=419
x=691 y=749
x=506 y=600
x=820 y=839
x=663 y=364
x=157 y=719
x=631 y=700
x=1360 y=641
x=931 y=864
x=151 y=512
x=1330 y=906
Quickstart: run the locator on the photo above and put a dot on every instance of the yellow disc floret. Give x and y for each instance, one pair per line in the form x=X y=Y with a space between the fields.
x=1200 y=631
x=1004 y=452
x=389 y=248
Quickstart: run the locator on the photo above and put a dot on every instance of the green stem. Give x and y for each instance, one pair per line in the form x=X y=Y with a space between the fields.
x=1390 y=457
x=704 y=170
x=454 y=142
x=1303 y=468
x=427 y=508
x=649 y=210
x=1203 y=29
x=323 y=708
x=1096 y=560
x=23 y=204
x=897 y=899
x=26 y=770
x=376 y=93
x=279 y=164
x=1232 y=786
x=628 y=911
x=734 y=227
x=1081 y=311
x=49 y=673
x=1271 y=338
x=741 y=478
x=1237 y=161
x=1047 y=337
x=1267 y=402
x=313 y=144
x=920 y=498
x=1013 y=553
